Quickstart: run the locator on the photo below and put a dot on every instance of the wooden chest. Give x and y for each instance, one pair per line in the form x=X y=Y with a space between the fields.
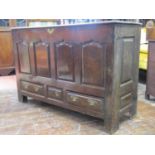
x=89 y=68
x=6 y=52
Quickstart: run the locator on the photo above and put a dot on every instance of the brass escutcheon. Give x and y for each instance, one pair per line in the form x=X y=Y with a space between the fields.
x=56 y=94
x=31 y=44
x=50 y=31
x=36 y=89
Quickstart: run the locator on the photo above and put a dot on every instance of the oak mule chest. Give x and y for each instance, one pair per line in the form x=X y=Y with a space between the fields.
x=88 y=68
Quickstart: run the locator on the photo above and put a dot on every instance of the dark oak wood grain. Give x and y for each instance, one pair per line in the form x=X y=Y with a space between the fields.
x=89 y=68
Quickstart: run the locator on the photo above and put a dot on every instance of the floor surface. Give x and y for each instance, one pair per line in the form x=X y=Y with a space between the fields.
x=35 y=118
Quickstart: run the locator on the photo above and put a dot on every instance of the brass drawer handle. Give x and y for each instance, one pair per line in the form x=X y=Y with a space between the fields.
x=74 y=98
x=91 y=102
x=26 y=86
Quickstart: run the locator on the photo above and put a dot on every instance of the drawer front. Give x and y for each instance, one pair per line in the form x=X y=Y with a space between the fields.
x=89 y=103
x=54 y=93
x=33 y=88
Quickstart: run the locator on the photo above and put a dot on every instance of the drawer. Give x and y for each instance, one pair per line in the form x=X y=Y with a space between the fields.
x=87 y=102
x=54 y=93
x=31 y=87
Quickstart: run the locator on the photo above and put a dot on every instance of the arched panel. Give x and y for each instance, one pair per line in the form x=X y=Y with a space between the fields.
x=64 y=61
x=93 y=63
x=24 y=57
x=42 y=59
